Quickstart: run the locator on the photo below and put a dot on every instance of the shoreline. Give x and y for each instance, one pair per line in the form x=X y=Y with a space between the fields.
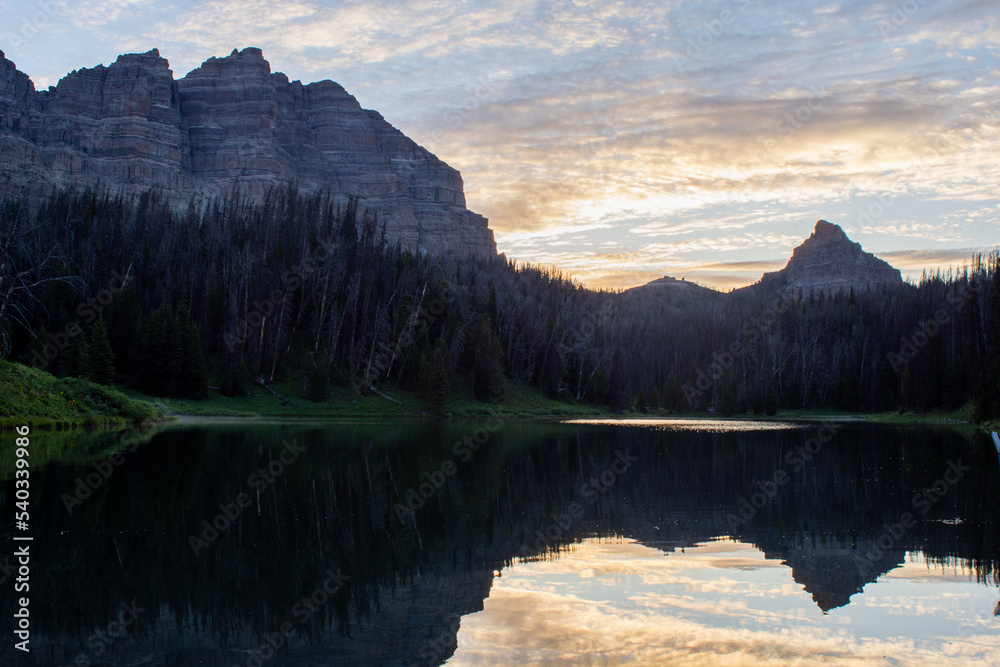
x=180 y=419
x=50 y=404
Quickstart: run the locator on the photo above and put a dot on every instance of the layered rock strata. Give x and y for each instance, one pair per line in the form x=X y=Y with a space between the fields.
x=229 y=124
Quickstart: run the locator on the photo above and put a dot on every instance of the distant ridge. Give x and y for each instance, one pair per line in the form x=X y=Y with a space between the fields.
x=828 y=262
x=672 y=286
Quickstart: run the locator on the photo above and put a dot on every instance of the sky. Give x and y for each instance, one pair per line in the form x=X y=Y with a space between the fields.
x=625 y=141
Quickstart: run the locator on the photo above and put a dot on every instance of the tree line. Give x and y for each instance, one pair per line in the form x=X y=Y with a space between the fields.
x=309 y=290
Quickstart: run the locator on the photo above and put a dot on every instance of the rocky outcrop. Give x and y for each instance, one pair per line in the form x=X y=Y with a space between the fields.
x=229 y=124
x=830 y=262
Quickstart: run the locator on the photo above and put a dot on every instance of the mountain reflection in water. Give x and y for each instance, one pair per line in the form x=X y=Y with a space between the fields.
x=723 y=602
x=532 y=501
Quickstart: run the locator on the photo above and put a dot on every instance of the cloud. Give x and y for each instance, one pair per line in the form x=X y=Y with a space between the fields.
x=912 y=263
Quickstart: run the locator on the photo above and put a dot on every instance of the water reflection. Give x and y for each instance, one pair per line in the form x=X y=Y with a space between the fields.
x=723 y=602
x=411 y=543
x=707 y=425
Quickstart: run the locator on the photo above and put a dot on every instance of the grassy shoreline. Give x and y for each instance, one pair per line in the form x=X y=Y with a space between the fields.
x=45 y=402
x=32 y=396
x=519 y=401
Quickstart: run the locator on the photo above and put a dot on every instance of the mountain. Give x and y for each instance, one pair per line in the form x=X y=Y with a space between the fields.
x=828 y=261
x=671 y=287
x=230 y=123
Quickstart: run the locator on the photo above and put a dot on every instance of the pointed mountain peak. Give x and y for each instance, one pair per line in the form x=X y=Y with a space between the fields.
x=829 y=261
x=826 y=238
x=827 y=229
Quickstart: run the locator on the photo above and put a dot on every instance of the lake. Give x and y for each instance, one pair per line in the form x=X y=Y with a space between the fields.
x=484 y=542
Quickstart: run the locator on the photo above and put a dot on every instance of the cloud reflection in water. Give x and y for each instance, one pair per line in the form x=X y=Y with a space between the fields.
x=609 y=602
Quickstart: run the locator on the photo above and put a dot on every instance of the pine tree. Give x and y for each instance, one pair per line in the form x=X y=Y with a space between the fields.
x=488 y=375
x=318 y=389
x=551 y=379
x=988 y=387
x=173 y=355
x=771 y=399
x=435 y=376
x=100 y=357
x=671 y=396
x=152 y=367
x=193 y=378
x=234 y=382
x=907 y=398
x=75 y=358
x=617 y=392
x=123 y=316
x=492 y=310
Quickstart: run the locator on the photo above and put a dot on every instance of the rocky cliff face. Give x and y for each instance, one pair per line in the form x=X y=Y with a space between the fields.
x=830 y=262
x=231 y=123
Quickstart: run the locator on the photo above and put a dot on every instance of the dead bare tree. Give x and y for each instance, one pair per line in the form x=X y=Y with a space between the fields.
x=24 y=268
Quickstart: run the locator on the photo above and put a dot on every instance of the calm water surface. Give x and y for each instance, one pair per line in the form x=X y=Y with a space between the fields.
x=475 y=543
